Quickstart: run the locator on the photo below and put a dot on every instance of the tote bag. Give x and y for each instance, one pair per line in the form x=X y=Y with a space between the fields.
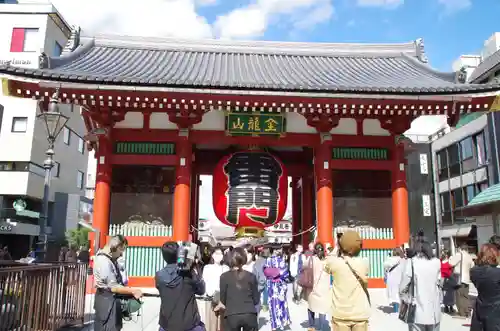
x=407 y=309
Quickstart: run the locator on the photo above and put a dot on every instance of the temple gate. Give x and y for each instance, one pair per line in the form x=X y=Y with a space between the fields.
x=160 y=113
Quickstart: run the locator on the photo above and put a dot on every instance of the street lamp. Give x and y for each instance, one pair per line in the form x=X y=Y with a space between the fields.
x=54 y=123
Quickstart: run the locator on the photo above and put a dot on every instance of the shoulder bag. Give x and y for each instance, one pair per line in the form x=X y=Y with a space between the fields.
x=306 y=276
x=407 y=309
x=128 y=305
x=360 y=281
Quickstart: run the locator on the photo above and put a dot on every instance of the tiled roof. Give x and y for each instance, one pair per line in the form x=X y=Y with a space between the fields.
x=485 y=67
x=214 y=64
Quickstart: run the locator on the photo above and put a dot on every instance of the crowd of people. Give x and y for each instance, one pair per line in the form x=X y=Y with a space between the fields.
x=435 y=285
x=235 y=285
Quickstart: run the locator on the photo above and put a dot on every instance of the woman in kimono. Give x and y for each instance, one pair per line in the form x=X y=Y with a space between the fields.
x=276 y=272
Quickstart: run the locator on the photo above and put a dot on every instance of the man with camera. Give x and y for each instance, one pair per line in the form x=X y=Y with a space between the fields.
x=178 y=283
x=110 y=289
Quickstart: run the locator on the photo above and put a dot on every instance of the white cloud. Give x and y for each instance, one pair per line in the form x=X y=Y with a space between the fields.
x=207 y=2
x=452 y=6
x=380 y=3
x=130 y=17
x=253 y=20
x=179 y=18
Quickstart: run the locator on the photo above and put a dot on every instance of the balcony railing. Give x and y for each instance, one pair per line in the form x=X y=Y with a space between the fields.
x=41 y=296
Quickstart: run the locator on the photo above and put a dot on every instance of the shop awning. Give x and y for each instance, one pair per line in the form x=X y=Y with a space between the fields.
x=485 y=203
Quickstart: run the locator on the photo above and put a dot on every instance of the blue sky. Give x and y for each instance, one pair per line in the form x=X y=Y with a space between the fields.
x=449 y=27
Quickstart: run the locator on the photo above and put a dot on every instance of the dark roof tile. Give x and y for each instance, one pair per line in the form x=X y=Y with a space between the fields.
x=379 y=68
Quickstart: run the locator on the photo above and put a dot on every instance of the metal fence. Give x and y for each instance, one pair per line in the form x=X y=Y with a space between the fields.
x=42 y=296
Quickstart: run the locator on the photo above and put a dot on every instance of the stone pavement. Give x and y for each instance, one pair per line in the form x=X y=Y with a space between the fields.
x=380 y=320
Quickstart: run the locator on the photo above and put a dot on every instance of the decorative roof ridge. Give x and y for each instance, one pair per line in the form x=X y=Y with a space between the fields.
x=414 y=48
x=485 y=67
x=450 y=76
x=47 y=62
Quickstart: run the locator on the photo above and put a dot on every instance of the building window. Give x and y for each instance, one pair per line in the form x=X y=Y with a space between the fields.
x=66 y=135
x=23 y=166
x=457 y=196
x=482 y=156
x=81 y=145
x=57 y=49
x=466 y=149
x=19 y=124
x=442 y=160
x=470 y=193
x=454 y=160
x=480 y=187
x=446 y=208
x=56 y=169
x=24 y=40
x=80 y=179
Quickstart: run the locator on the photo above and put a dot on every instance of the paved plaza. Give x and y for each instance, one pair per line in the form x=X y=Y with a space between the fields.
x=381 y=320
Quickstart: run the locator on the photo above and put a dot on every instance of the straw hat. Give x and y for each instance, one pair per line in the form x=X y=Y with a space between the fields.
x=351 y=243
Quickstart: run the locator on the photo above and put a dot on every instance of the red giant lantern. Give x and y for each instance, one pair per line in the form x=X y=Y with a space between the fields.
x=250 y=191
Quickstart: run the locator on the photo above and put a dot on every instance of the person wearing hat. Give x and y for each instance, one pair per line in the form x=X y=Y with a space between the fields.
x=351 y=308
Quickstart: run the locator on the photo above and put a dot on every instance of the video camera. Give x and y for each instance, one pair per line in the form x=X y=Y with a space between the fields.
x=186 y=254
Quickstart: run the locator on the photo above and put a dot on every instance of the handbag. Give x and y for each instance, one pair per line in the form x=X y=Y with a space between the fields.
x=306 y=276
x=407 y=309
x=361 y=282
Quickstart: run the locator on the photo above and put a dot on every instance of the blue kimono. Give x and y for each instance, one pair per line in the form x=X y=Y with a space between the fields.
x=277 y=294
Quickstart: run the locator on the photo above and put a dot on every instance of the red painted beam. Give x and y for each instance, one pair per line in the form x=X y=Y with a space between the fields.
x=361 y=165
x=213 y=137
x=143 y=135
x=158 y=160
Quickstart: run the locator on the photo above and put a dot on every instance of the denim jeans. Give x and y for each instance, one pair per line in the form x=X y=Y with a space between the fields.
x=321 y=319
x=265 y=296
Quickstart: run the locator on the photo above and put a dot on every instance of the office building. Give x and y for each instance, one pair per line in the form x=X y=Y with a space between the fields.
x=26 y=31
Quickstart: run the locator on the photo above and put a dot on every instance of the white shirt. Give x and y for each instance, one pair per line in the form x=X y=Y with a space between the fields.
x=462 y=262
x=211 y=277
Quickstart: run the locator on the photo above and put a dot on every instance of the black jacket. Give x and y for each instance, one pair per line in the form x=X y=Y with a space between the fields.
x=178 y=310
x=239 y=292
x=486 y=315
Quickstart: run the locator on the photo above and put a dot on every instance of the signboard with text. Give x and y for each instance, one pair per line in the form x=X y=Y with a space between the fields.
x=255 y=124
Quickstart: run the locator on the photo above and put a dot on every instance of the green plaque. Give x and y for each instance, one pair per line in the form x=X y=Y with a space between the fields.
x=144 y=148
x=258 y=124
x=360 y=153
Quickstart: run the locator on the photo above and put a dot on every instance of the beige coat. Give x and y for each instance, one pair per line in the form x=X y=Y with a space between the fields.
x=319 y=299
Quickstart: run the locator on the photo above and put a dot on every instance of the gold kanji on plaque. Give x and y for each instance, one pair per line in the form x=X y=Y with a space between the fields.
x=271 y=125
x=254 y=124
x=238 y=124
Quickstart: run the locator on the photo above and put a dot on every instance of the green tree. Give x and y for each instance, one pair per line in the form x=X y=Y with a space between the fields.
x=78 y=237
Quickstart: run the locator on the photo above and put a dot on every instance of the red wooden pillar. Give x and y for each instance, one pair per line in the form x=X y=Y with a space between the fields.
x=296 y=211
x=307 y=201
x=102 y=196
x=195 y=204
x=324 y=194
x=182 y=192
x=400 y=214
